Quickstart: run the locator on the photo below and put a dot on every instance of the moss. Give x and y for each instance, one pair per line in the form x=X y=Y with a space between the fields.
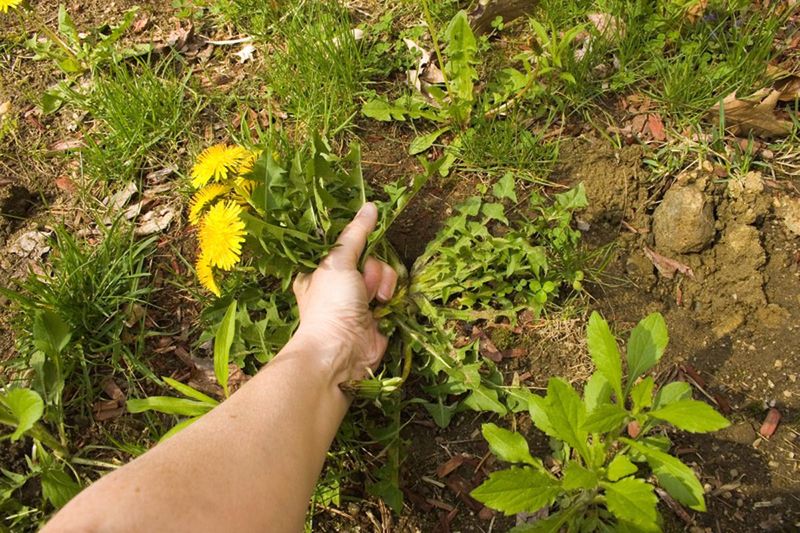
x=503 y=338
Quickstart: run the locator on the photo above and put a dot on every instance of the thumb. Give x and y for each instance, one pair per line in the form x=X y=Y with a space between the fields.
x=353 y=238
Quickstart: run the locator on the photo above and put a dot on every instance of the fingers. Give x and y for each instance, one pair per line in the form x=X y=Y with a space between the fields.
x=380 y=280
x=388 y=283
x=353 y=238
x=373 y=274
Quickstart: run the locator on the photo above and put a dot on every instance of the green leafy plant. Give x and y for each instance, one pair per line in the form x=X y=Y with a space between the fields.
x=75 y=52
x=457 y=108
x=601 y=481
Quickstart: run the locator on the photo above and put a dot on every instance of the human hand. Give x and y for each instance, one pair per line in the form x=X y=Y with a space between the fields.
x=334 y=302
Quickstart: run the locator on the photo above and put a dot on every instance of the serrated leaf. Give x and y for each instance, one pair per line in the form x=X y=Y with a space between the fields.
x=505 y=188
x=578 y=477
x=168 y=405
x=642 y=394
x=537 y=407
x=604 y=352
x=646 y=345
x=420 y=143
x=619 y=467
x=517 y=490
x=672 y=392
x=633 y=500
x=507 y=445
x=597 y=391
x=606 y=417
x=567 y=414
x=222 y=346
x=25 y=406
x=493 y=211
x=691 y=415
x=676 y=478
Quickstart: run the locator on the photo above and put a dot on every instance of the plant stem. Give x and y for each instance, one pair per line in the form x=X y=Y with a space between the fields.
x=429 y=21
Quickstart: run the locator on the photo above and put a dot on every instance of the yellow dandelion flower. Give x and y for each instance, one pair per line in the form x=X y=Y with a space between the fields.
x=222 y=234
x=5 y=4
x=216 y=162
x=202 y=198
x=244 y=189
x=247 y=164
x=206 y=275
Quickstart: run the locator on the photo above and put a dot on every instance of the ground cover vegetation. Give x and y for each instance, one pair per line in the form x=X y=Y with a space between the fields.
x=172 y=167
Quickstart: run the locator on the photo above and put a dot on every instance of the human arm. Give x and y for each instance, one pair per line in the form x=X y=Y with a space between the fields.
x=251 y=463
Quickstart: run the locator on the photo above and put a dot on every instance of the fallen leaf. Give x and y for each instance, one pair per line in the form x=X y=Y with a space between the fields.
x=656 y=127
x=106 y=410
x=119 y=199
x=112 y=390
x=486 y=346
x=450 y=466
x=770 y=423
x=157 y=176
x=755 y=114
x=66 y=144
x=426 y=73
x=607 y=25
x=156 y=220
x=696 y=11
x=33 y=244
x=666 y=266
x=66 y=184
x=140 y=24
x=246 y=53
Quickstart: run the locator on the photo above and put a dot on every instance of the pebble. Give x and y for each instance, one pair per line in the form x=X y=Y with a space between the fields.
x=778 y=363
x=787 y=394
x=734 y=473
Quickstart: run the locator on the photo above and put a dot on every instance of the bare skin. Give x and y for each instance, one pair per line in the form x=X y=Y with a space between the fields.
x=251 y=463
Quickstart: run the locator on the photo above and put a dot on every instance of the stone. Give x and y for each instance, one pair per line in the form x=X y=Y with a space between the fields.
x=788 y=209
x=684 y=221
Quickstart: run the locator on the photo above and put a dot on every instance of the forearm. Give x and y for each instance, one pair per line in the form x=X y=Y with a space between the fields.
x=250 y=464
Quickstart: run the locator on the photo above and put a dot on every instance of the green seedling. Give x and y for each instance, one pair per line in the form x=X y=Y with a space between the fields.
x=602 y=481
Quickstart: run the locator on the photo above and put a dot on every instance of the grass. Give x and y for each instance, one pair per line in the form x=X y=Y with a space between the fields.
x=318 y=72
x=141 y=112
x=96 y=287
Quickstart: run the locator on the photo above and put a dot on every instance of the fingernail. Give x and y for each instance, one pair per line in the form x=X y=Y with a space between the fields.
x=364 y=209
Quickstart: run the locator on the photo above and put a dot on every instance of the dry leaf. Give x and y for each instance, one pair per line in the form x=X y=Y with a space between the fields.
x=246 y=53
x=607 y=25
x=156 y=220
x=119 y=199
x=426 y=73
x=666 y=266
x=786 y=82
x=66 y=144
x=755 y=114
x=656 y=127
x=66 y=184
x=31 y=244
x=140 y=24
x=697 y=11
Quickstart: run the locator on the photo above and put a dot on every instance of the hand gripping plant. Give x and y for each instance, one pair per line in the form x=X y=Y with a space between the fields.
x=603 y=481
x=263 y=218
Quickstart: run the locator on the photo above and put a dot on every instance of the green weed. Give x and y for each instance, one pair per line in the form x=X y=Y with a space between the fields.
x=601 y=482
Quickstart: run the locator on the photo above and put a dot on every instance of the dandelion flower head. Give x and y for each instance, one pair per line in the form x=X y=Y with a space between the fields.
x=5 y=4
x=203 y=198
x=206 y=275
x=216 y=163
x=221 y=235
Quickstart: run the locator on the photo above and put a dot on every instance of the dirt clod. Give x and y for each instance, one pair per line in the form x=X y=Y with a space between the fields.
x=684 y=221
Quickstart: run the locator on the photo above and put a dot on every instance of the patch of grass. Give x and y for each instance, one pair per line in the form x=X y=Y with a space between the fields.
x=506 y=144
x=141 y=112
x=319 y=71
x=97 y=288
x=685 y=64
